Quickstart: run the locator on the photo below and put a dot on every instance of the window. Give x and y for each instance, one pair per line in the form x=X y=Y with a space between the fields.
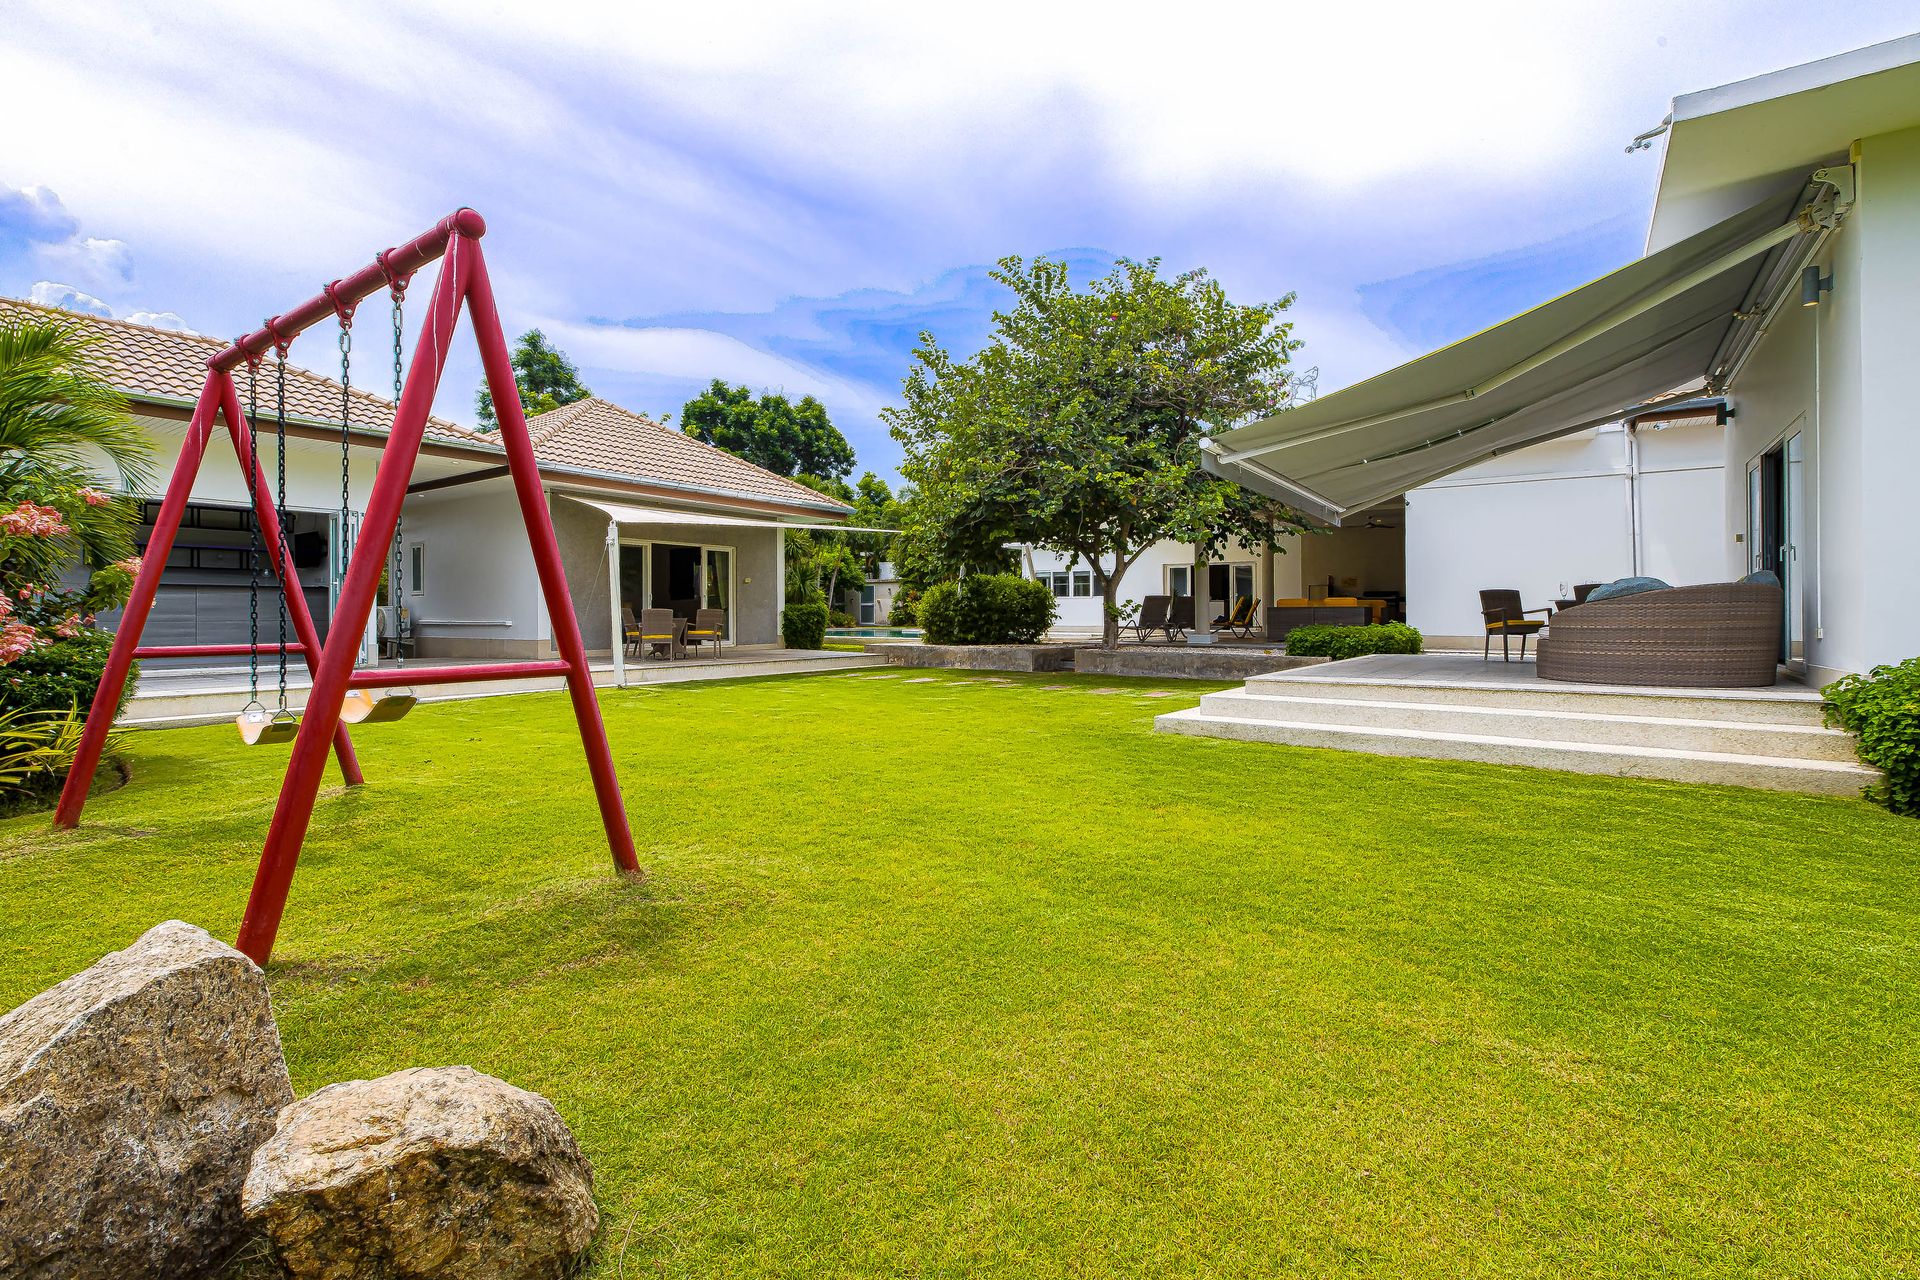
x=1059 y=582
x=1179 y=579
x=1083 y=582
x=419 y=568
x=1242 y=582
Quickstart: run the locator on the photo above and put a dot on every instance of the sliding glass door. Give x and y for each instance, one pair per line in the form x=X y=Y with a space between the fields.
x=717 y=583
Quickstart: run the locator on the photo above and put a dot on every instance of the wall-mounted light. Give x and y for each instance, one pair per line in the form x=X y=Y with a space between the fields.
x=1813 y=284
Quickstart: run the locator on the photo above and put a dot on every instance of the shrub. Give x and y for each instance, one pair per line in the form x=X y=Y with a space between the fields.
x=36 y=751
x=1322 y=641
x=986 y=608
x=1882 y=710
x=804 y=625
x=61 y=676
x=905 y=610
x=840 y=618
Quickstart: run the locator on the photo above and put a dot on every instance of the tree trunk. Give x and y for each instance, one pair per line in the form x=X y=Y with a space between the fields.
x=833 y=580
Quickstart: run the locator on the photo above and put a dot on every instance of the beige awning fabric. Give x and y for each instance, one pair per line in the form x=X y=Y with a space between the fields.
x=629 y=514
x=1587 y=357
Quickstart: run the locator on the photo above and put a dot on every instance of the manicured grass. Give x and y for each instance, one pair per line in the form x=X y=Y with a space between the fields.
x=951 y=979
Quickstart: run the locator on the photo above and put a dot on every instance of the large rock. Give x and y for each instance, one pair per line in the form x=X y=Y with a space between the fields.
x=131 y=1098
x=436 y=1171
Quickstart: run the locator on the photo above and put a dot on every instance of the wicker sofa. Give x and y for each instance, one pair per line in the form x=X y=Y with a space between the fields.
x=1723 y=635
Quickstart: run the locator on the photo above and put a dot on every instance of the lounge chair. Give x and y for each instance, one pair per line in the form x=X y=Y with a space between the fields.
x=1152 y=617
x=660 y=634
x=709 y=627
x=1240 y=624
x=1503 y=616
x=1179 y=617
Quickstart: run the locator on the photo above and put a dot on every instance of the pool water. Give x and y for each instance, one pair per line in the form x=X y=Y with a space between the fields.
x=873 y=633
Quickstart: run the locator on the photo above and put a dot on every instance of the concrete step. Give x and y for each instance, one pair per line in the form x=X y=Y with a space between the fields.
x=1820 y=777
x=1753 y=706
x=1731 y=737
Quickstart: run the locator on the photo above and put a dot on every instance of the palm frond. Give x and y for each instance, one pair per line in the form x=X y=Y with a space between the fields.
x=57 y=409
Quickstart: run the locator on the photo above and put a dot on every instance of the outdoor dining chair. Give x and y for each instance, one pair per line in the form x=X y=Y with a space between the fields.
x=629 y=631
x=709 y=627
x=659 y=634
x=1503 y=616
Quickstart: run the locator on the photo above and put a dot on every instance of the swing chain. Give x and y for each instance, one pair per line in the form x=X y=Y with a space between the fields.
x=344 y=310
x=285 y=559
x=253 y=529
x=397 y=289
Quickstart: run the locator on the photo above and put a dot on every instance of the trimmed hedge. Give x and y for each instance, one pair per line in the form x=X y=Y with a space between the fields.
x=1882 y=710
x=986 y=608
x=804 y=626
x=1322 y=641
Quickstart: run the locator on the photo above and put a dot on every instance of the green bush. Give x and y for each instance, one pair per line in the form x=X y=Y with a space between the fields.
x=804 y=626
x=61 y=676
x=905 y=610
x=1323 y=641
x=841 y=618
x=1882 y=710
x=986 y=608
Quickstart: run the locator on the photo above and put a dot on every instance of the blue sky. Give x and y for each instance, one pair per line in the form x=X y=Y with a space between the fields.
x=786 y=195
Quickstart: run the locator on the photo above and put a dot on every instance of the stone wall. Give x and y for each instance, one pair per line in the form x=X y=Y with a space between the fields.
x=977 y=657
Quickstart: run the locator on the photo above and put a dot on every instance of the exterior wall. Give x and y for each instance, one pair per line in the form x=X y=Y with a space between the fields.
x=482 y=599
x=1839 y=374
x=582 y=535
x=1590 y=507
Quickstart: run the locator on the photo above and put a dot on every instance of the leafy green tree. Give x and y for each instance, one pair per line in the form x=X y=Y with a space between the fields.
x=1078 y=427
x=770 y=431
x=547 y=379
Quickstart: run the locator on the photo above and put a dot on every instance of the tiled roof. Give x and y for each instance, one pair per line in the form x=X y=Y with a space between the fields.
x=163 y=365
x=598 y=435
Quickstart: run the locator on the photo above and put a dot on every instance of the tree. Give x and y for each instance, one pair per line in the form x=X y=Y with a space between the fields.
x=787 y=439
x=546 y=378
x=1078 y=427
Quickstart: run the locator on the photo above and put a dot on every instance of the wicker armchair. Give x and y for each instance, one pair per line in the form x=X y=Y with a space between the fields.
x=1724 y=635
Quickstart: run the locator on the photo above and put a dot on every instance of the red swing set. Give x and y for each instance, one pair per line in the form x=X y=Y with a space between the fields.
x=462 y=282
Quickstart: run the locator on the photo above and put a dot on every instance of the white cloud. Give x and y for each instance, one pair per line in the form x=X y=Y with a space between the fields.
x=50 y=293
x=160 y=320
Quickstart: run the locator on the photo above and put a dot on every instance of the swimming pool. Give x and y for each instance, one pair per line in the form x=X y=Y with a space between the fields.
x=873 y=633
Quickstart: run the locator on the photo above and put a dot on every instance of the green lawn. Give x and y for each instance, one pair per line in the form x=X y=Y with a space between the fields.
x=946 y=979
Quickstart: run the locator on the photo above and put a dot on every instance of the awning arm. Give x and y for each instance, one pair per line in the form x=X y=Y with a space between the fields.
x=1618 y=316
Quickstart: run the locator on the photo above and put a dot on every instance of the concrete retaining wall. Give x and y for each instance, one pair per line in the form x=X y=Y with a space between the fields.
x=977 y=657
x=1179 y=662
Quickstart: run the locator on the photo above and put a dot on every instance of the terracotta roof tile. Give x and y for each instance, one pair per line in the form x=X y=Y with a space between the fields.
x=166 y=366
x=598 y=435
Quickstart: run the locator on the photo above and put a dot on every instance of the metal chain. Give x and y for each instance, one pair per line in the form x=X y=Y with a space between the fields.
x=346 y=392
x=397 y=286
x=280 y=505
x=253 y=530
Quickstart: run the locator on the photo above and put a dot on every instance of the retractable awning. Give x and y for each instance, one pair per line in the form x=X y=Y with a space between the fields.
x=1590 y=356
x=628 y=514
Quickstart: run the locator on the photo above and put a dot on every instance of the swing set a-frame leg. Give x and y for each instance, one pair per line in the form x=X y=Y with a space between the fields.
x=462 y=280
x=217 y=395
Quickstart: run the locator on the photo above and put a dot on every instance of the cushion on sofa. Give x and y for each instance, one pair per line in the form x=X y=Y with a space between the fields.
x=1626 y=587
x=1762 y=578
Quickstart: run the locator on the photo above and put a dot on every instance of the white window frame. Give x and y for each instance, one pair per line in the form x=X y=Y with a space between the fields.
x=416 y=568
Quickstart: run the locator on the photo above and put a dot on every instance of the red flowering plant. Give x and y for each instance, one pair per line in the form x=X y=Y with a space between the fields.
x=67 y=533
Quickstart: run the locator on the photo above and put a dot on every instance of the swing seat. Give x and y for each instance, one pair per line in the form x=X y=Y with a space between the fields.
x=259 y=726
x=360 y=707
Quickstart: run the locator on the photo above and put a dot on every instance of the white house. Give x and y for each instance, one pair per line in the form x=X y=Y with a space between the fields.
x=1779 y=279
x=639 y=508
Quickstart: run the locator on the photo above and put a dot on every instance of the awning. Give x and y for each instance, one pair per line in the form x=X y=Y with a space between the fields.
x=1588 y=357
x=627 y=514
